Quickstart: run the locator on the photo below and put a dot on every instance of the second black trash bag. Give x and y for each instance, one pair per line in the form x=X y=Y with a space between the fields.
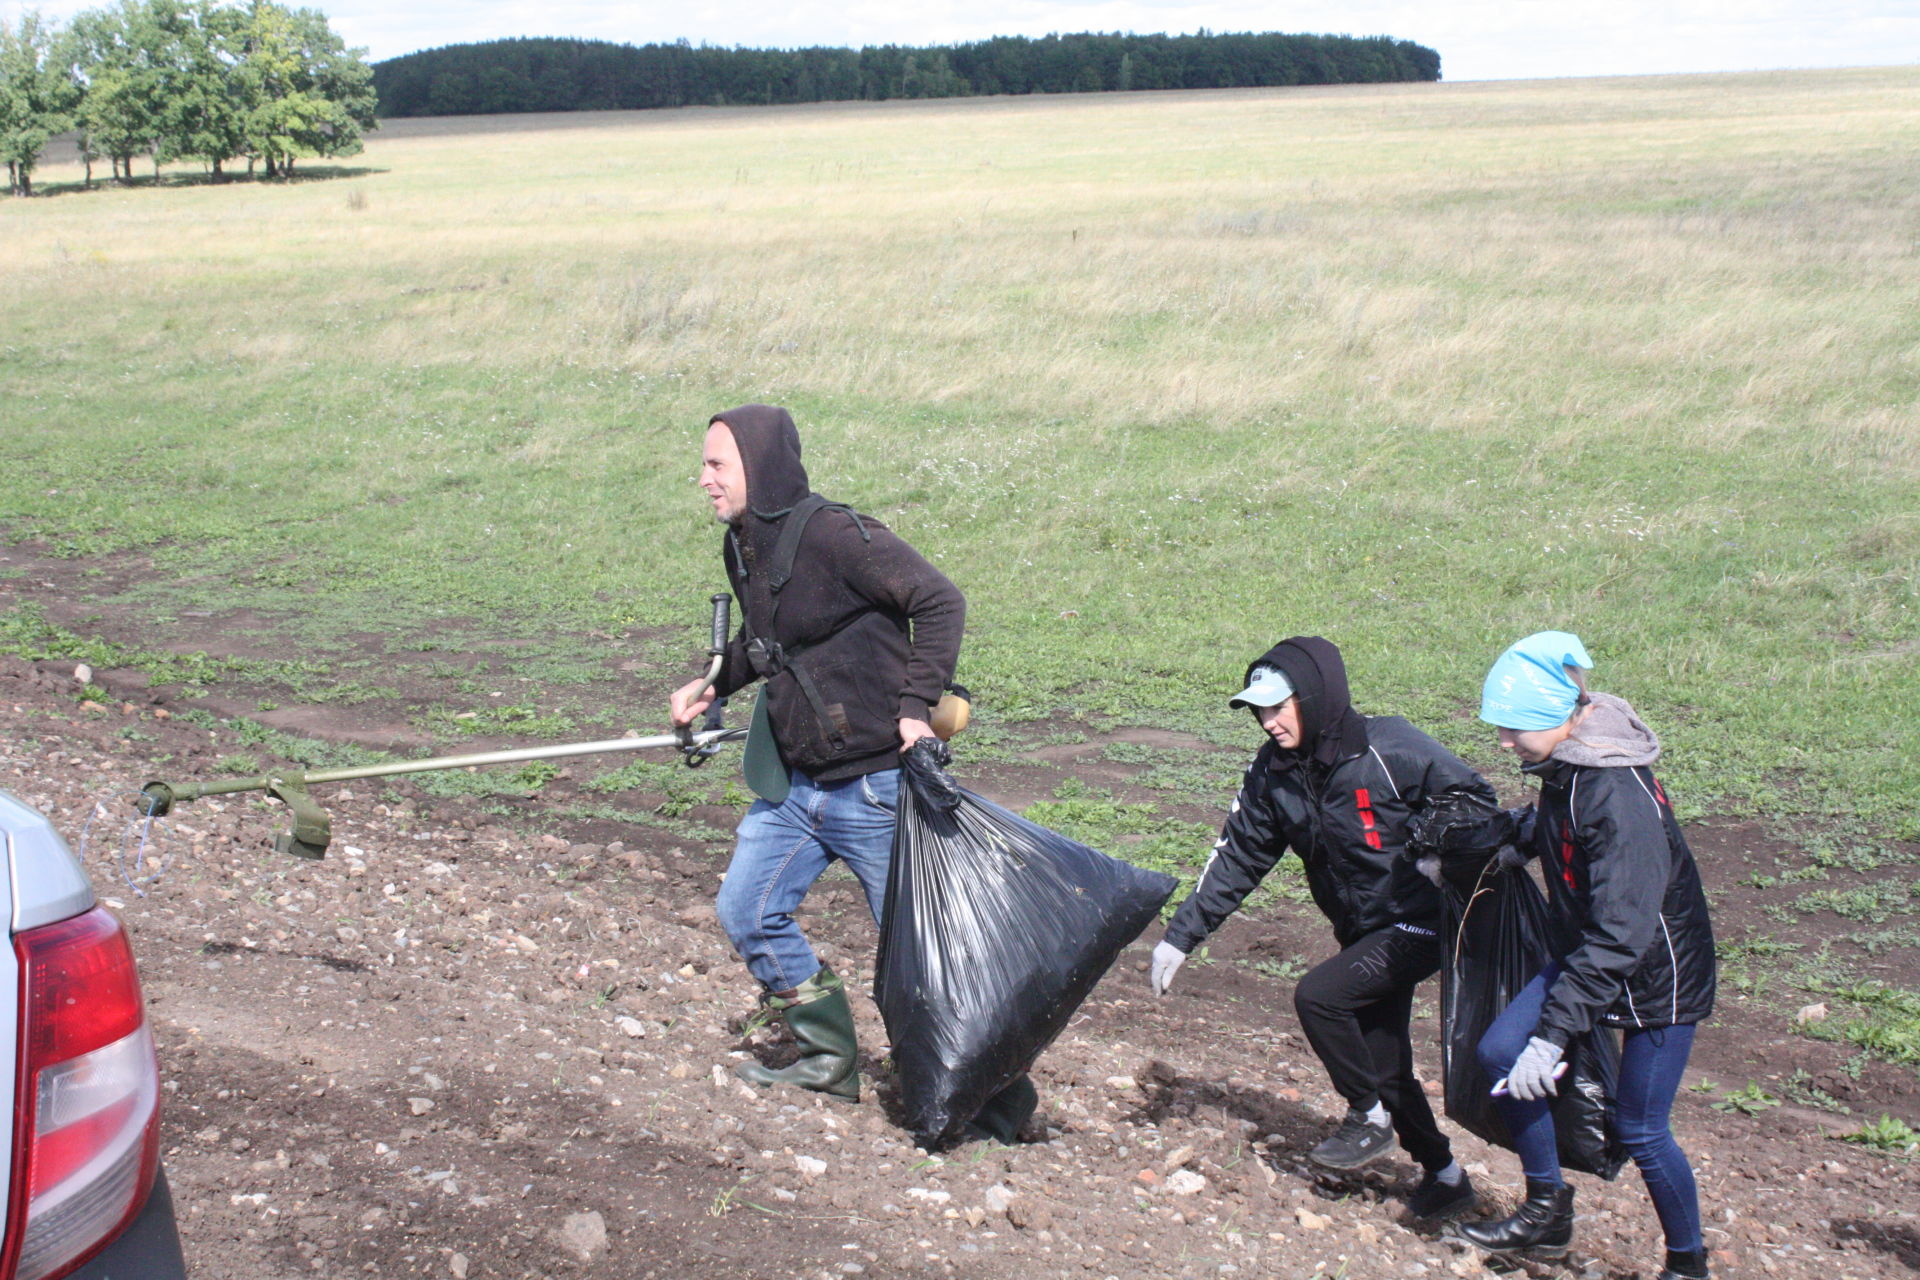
x=995 y=930
x=1497 y=938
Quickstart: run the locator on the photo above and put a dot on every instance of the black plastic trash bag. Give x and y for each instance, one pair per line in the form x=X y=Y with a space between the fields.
x=995 y=931
x=1498 y=936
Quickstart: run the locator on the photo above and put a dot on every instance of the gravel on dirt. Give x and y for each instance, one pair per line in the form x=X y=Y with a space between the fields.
x=473 y=1047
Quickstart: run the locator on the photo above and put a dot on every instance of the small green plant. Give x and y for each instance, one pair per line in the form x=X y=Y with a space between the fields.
x=1800 y=1088
x=1288 y=970
x=1750 y=1101
x=536 y=775
x=1886 y=1133
x=722 y=1203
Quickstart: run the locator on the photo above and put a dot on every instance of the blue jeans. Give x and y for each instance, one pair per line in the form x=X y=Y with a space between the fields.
x=1651 y=1063
x=783 y=848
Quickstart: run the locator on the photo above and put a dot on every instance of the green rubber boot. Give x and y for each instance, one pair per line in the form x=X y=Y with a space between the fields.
x=1005 y=1112
x=822 y=1021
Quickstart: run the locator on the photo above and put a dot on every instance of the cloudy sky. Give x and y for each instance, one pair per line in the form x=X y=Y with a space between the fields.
x=1477 y=39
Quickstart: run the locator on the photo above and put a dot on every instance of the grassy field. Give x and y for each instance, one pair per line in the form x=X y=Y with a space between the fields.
x=1157 y=378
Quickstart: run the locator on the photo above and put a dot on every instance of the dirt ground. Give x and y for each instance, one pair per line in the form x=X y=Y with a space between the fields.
x=474 y=1046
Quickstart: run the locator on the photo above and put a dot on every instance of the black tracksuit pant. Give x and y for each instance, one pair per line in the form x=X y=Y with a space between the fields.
x=1355 y=1009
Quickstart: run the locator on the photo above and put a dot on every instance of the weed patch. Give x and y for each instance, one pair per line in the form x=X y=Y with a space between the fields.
x=1886 y=1134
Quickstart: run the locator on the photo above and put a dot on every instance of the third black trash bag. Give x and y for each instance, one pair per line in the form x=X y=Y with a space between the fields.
x=995 y=930
x=1497 y=938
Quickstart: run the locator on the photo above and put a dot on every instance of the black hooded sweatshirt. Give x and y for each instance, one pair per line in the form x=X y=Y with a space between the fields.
x=875 y=627
x=1341 y=800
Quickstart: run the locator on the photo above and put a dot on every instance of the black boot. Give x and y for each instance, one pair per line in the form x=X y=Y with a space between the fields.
x=1542 y=1227
x=1690 y=1265
x=822 y=1021
x=1005 y=1112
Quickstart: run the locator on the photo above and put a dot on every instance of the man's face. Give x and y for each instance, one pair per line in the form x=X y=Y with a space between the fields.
x=723 y=476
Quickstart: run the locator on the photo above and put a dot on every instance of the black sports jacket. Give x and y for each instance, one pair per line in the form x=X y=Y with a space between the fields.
x=1636 y=945
x=1347 y=820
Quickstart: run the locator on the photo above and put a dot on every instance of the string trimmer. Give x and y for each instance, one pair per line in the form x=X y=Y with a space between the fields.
x=312 y=830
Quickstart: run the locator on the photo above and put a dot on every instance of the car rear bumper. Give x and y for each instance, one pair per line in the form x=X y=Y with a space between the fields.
x=148 y=1249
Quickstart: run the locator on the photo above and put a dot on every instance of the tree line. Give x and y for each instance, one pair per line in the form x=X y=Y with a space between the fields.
x=181 y=79
x=595 y=75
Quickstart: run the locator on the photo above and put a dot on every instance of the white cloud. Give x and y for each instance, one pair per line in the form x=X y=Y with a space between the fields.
x=1477 y=39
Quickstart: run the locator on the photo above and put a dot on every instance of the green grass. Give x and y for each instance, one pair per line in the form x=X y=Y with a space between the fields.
x=1883 y=1019
x=1146 y=837
x=1156 y=380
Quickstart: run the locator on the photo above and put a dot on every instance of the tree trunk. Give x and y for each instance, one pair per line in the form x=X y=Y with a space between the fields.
x=89 y=159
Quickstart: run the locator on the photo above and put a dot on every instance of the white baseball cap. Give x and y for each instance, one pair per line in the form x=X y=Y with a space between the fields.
x=1269 y=687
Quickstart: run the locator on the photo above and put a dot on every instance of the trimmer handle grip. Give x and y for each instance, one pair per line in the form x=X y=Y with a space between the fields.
x=722 y=606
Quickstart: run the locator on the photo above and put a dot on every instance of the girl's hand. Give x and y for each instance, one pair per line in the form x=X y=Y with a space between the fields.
x=1534 y=1071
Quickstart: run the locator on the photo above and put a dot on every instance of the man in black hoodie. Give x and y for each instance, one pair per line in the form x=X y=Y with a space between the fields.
x=1339 y=788
x=856 y=637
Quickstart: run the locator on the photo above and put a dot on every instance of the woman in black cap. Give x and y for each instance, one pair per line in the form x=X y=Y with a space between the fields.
x=1339 y=788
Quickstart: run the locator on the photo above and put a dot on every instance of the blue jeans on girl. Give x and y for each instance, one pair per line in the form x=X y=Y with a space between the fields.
x=1651 y=1063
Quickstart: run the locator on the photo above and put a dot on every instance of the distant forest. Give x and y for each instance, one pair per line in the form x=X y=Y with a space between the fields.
x=595 y=75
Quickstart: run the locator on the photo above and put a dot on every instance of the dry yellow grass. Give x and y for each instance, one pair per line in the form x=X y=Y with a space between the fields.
x=1442 y=257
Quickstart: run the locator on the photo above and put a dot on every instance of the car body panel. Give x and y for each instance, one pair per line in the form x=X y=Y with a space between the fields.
x=47 y=881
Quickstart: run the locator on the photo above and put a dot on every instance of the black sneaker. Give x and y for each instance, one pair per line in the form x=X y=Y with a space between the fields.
x=1356 y=1142
x=1439 y=1200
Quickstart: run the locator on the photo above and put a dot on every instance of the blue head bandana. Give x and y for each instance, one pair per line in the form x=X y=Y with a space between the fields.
x=1528 y=687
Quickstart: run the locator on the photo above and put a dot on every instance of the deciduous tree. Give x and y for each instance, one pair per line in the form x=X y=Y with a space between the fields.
x=38 y=94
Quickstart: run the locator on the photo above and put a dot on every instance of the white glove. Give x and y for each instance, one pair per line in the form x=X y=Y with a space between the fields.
x=1534 y=1071
x=1167 y=960
x=1429 y=867
x=1510 y=856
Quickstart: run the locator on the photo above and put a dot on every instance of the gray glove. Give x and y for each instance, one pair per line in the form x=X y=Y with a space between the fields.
x=1429 y=867
x=1510 y=856
x=1167 y=960
x=1534 y=1071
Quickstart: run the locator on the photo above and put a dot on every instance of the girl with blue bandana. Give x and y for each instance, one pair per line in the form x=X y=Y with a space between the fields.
x=1636 y=947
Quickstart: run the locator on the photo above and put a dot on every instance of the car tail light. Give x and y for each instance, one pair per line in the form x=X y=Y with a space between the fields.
x=87 y=1114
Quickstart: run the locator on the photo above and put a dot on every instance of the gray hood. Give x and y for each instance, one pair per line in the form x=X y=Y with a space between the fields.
x=1611 y=737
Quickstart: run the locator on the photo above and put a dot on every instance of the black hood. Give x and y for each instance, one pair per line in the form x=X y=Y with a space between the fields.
x=770 y=454
x=1330 y=729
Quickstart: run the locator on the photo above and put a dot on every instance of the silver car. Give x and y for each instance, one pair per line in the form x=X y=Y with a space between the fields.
x=84 y=1193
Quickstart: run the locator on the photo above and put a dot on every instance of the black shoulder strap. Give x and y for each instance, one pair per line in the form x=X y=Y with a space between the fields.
x=780 y=572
